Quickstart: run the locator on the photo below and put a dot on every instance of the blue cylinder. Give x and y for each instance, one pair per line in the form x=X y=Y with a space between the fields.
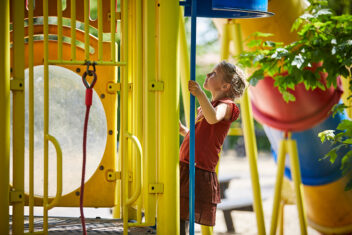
x=229 y=8
x=315 y=170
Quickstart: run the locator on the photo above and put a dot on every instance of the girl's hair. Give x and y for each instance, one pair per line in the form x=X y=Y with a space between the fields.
x=235 y=77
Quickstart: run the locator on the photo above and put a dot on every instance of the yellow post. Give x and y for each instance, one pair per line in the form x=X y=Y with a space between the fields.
x=100 y=30
x=113 y=29
x=149 y=110
x=59 y=29
x=4 y=115
x=251 y=150
x=278 y=185
x=168 y=108
x=183 y=58
x=18 y=114
x=138 y=90
x=346 y=94
x=31 y=113
x=73 y=29
x=225 y=42
x=86 y=29
x=281 y=217
x=124 y=113
x=46 y=115
x=296 y=177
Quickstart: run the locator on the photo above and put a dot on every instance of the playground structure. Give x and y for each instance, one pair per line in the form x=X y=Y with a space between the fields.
x=143 y=177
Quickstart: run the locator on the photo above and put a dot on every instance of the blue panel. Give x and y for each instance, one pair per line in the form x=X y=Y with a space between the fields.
x=205 y=9
x=248 y=5
x=314 y=169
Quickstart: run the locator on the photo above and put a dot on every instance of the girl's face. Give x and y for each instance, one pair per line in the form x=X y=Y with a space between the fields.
x=214 y=80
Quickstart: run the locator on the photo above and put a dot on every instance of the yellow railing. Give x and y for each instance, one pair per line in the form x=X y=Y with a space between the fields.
x=31 y=113
x=54 y=202
x=4 y=115
x=18 y=103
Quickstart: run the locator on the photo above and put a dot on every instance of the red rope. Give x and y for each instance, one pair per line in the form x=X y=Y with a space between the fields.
x=89 y=92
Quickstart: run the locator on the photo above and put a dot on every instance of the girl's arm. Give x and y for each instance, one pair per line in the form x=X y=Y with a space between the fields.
x=211 y=114
x=183 y=130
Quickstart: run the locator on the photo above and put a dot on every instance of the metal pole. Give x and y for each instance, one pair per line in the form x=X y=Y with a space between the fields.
x=46 y=115
x=183 y=59
x=278 y=185
x=18 y=114
x=168 y=115
x=296 y=177
x=4 y=115
x=191 y=118
x=149 y=109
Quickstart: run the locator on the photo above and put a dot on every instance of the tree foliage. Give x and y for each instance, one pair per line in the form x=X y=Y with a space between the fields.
x=325 y=38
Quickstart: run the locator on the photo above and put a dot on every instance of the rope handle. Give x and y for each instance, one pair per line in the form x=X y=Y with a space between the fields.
x=88 y=102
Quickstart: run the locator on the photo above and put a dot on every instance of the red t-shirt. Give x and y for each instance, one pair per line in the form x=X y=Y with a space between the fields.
x=208 y=138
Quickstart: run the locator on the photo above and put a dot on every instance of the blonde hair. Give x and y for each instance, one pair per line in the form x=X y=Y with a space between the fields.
x=235 y=77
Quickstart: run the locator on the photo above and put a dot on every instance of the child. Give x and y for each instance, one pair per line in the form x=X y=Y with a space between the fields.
x=226 y=82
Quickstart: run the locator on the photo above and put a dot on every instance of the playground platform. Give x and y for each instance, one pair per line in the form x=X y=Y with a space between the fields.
x=72 y=225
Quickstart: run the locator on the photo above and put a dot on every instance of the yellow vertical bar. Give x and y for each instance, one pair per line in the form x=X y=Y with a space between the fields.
x=124 y=114
x=113 y=29
x=296 y=176
x=207 y=230
x=130 y=122
x=281 y=217
x=46 y=117
x=251 y=150
x=100 y=30
x=225 y=43
x=138 y=85
x=278 y=186
x=86 y=29
x=250 y=144
x=168 y=131
x=347 y=93
x=183 y=58
x=4 y=115
x=59 y=27
x=31 y=115
x=73 y=29
x=18 y=114
x=149 y=109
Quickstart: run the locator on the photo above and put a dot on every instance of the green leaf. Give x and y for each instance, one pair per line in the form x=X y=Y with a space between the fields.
x=279 y=53
x=260 y=34
x=298 y=61
x=258 y=58
x=306 y=16
x=254 y=43
x=345 y=125
x=288 y=96
x=323 y=12
x=346 y=162
x=296 y=24
x=326 y=135
x=270 y=44
x=348 y=141
x=256 y=76
x=338 y=108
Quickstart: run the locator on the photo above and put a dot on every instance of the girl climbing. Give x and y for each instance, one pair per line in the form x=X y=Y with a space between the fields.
x=225 y=83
